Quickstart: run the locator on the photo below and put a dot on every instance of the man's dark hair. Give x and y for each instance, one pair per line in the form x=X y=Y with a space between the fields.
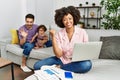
x=29 y=16
x=43 y=27
x=60 y=13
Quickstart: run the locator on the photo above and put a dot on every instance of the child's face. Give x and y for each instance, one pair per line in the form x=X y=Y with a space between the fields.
x=41 y=31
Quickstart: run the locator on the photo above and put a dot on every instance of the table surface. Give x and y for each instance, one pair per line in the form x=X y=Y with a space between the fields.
x=4 y=62
x=31 y=77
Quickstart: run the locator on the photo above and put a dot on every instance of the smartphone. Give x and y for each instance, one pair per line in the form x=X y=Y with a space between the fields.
x=68 y=75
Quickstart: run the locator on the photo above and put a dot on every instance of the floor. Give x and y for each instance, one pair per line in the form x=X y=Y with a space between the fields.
x=5 y=73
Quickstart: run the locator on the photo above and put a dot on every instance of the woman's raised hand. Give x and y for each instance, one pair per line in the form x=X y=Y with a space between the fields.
x=52 y=32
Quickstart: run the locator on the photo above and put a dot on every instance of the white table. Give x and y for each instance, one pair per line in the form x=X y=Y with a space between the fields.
x=32 y=77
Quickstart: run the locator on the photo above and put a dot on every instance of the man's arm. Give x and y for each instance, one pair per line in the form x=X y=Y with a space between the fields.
x=22 y=41
x=45 y=39
x=33 y=38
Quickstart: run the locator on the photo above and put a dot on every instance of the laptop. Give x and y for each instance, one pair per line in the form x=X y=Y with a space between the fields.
x=86 y=51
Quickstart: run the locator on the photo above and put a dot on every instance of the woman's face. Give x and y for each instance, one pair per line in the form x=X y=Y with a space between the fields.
x=68 y=21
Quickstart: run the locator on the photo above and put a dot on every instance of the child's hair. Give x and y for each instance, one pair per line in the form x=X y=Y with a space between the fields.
x=43 y=27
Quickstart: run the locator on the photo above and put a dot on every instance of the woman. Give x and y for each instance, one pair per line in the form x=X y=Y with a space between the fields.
x=63 y=42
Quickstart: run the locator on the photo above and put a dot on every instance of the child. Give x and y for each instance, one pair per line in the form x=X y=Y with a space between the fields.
x=40 y=36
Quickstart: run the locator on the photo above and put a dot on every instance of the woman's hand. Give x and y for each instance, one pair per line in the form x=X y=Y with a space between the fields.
x=56 y=49
x=52 y=32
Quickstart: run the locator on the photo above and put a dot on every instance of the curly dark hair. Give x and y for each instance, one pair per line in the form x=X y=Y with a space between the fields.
x=43 y=27
x=60 y=13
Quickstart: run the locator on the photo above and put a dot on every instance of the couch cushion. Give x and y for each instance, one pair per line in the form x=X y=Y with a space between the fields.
x=110 y=48
x=15 y=49
x=14 y=35
x=37 y=54
x=103 y=69
x=42 y=53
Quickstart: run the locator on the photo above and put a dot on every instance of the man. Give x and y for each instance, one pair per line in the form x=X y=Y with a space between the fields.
x=26 y=32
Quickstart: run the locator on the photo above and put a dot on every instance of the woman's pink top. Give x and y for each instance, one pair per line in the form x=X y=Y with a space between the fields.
x=66 y=46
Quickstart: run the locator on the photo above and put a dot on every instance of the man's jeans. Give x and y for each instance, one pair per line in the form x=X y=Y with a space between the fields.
x=27 y=48
x=77 y=67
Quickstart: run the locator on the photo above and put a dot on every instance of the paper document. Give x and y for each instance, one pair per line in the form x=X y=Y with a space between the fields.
x=53 y=73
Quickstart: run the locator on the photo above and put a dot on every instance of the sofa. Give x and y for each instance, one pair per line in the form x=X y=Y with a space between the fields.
x=103 y=68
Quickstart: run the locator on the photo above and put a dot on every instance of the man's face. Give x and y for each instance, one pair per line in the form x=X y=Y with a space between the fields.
x=29 y=22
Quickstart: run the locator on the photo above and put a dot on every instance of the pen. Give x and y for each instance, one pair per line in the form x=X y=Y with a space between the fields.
x=55 y=74
x=58 y=77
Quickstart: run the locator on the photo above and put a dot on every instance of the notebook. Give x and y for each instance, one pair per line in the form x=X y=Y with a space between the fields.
x=86 y=51
x=53 y=73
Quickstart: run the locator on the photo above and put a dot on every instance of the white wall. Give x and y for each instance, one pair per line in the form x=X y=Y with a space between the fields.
x=31 y=7
x=45 y=10
x=42 y=9
x=11 y=15
x=12 y=12
x=62 y=3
